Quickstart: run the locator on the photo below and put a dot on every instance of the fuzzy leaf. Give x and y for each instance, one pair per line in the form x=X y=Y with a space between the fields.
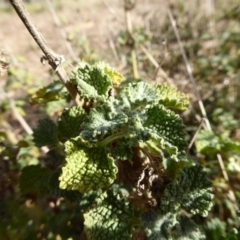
x=88 y=167
x=95 y=81
x=46 y=133
x=158 y=225
x=191 y=191
x=138 y=95
x=55 y=191
x=116 y=77
x=53 y=92
x=188 y=230
x=102 y=122
x=167 y=226
x=167 y=131
x=89 y=199
x=69 y=124
x=170 y=97
x=34 y=180
x=122 y=149
x=111 y=218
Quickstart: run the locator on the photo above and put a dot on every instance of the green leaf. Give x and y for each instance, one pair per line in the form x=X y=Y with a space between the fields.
x=94 y=81
x=55 y=191
x=170 y=97
x=137 y=95
x=166 y=132
x=188 y=230
x=209 y=143
x=89 y=199
x=215 y=228
x=46 y=133
x=34 y=180
x=165 y=226
x=88 y=167
x=233 y=235
x=53 y=92
x=158 y=225
x=191 y=191
x=69 y=123
x=111 y=218
x=103 y=122
x=116 y=77
x=121 y=150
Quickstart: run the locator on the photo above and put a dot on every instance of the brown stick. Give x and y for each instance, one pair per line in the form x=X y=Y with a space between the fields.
x=53 y=58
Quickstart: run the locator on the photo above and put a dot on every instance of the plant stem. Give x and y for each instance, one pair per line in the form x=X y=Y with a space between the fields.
x=53 y=58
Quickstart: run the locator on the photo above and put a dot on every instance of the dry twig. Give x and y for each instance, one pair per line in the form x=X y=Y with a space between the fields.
x=200 y=103
x=53 y=58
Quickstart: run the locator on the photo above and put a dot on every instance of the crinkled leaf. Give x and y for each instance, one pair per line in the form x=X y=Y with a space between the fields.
x=88 y=167
x=46 y=133
x=191 y=190
x=188 y=230
x=165 y=226
x=55 y=191
x=138 y=95
x=111 y=218
x=89 y=199
x=69 y=123
x=121 y=150
x=34 y=180
x=158 y=225
x=102 y=122
x=170 y=97
x=167 y=131
x=116 y=77
x=53 y=92
x=94 y=81
x=37 y=180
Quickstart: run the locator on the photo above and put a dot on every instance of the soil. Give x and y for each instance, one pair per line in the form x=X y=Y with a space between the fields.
x=92 y=24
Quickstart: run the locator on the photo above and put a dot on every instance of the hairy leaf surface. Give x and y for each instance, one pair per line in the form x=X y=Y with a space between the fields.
x=138 y=95
x=166 y=126
x=191 y=191
x=34 y=180
x=111 y=218
x=102 y=122
x=95 y=81
x=88 y=167
x=46 y=133
x=170 y=97
x=69 y=124
x=165 y=226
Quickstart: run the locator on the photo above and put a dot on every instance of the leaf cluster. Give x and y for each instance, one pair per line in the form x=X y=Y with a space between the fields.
x=128 y=134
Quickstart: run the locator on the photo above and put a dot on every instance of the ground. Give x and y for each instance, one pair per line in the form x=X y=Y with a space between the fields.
x=90 y=26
